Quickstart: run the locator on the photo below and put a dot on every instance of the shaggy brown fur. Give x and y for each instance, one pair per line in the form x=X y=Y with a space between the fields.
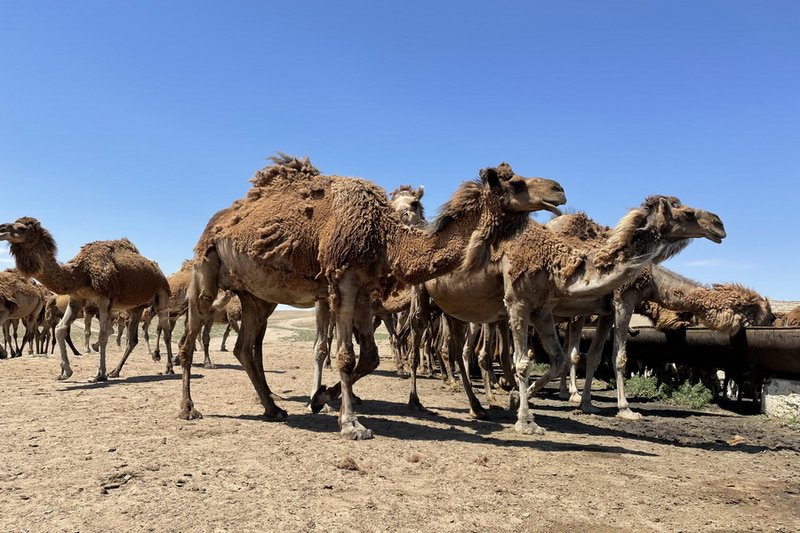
x=110 y=274
x=665 y=319
x=790 y=319
x=298 y=235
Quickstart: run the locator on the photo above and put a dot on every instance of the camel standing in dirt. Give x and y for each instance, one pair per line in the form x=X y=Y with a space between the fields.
x=532 y=274
x=20 y=299
x=667 y=297
x=299 y=237
x=109 y=274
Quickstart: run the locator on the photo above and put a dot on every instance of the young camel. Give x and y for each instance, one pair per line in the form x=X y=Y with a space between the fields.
x=53 y=313
x=20 y=299
x=299 y=237
x=109 y=274
x=538 y=271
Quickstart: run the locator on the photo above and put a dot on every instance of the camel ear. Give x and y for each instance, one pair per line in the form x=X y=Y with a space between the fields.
x=489 y=177
x=420 y=192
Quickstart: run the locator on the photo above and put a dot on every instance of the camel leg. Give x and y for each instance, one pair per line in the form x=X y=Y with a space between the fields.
x=225 y=333
x=200 y=297
x=5 y=327
x=623 y=312
x=416 y=324
x=133 y=339
x=507 y=380
x=53 y=337
x=15 y=329
x=485 y=361
x=87 y=331
x=518 y=319
x=207 y=343
x=105 y=321
x=593 y=360
x=69 y=340
x=458 y=333
x=249 y=352
x=157 y=351
x=146 y=335
x=573 y=349
x=62 y=330
x=321 y=354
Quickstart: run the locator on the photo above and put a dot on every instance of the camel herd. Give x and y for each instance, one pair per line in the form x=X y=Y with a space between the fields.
x=482 y=275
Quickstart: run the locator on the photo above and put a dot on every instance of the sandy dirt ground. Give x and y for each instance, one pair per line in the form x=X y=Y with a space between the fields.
x=76 y=456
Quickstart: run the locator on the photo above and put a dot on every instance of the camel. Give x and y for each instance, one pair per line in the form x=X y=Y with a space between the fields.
x=110 y=274
x=178 y=287
x=670 y=300
x=300 y=237
x=20 y=299
x=789 y=320
x=538 y=271
x=10 y=337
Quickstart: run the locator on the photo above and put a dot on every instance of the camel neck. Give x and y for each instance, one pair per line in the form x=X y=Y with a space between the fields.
x=56 y=277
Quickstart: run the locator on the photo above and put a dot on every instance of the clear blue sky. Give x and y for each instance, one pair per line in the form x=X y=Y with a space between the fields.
x=141 y=119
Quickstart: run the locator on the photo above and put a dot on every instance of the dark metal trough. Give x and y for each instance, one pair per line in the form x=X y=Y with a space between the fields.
x=771 y=351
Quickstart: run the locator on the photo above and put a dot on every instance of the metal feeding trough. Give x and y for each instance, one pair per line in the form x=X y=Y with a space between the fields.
x=769 y=351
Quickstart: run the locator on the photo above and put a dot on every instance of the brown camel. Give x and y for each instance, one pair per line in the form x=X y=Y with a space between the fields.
x=178 y=288
x=538 y=271
x=406 y=203
x=670 y=300
x=790 y=319
x=110 y=274
x=20 y=299
x=299 y=237
x=231 y=316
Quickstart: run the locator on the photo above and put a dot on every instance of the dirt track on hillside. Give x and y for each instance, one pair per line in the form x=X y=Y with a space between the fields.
x=76 y=456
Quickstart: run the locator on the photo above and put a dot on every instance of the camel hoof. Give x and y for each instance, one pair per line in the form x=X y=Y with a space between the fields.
x=279 y=415
x=627 y=414
x=414 y=404
x=190 y=414
x=209 y=364
x=590 y=409
x=479 y=414
x=528 y=427
x=575 y=397
x=320 y=398
x=98 y=378
x=64 y=375
x=156 y=357
x=223 y=349
x=113 y=374
x=355 y=431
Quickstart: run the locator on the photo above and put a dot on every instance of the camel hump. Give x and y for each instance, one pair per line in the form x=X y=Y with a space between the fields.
x=284 y=168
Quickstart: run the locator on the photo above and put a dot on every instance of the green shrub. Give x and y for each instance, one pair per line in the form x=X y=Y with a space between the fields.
x=642 y=387
x=696 y=396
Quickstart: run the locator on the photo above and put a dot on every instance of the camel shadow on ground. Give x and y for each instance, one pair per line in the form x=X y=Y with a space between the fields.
x=132 y=380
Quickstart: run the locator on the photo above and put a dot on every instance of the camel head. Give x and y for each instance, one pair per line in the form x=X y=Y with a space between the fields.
x=678 y=222
x=523 y=195
x=742 y=307
x=29 y=242
x=406 y=203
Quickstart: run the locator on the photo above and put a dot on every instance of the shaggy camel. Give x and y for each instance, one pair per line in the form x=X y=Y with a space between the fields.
x=20 y=299
x=790 y=319
x=539 y=271
x=178 y=288
x=671 y=300
x=299 y=237
x=109 y=274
